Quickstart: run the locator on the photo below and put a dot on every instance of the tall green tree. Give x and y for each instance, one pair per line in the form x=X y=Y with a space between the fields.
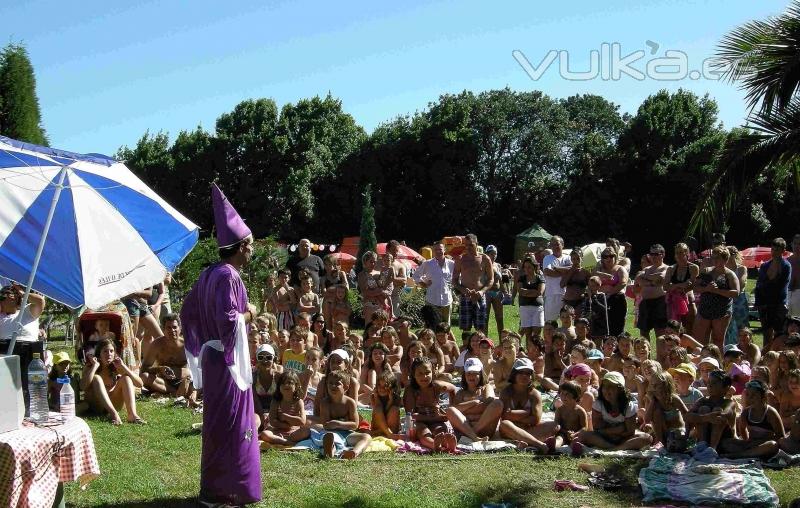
x=367 y=241
x=763 y=58
x=20 y=117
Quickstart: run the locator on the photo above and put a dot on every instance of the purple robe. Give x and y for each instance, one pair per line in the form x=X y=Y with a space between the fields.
x=230 y=470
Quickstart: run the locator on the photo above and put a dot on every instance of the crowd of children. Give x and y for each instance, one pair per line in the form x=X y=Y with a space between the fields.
x=611 y=393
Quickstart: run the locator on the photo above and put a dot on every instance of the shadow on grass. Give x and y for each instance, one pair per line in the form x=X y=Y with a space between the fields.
x=186 y=433
x=187 y=502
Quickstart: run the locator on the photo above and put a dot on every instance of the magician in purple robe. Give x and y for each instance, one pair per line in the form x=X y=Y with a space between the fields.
x=215 y=316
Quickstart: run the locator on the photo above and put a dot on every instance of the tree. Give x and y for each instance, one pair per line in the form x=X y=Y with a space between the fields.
x=367 y=241
x=20 y=117
x=764 y=58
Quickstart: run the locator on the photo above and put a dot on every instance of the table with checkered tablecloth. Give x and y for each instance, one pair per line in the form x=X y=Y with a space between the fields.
x=34 y=460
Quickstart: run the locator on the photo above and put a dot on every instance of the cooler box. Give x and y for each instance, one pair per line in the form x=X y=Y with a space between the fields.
x=12 y=405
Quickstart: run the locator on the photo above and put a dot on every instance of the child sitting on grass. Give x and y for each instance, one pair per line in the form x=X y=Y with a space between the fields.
x=714 y=415
x=554 y=359
x=706 y=366
x=377 y=363
x=570 y=418
x=415 y=349
x=790 y=400
x=338 y=360
x=684 y=375
x=339 y=420
x=759 y=427
x=287 y=416
x=294 y=358
x=522 y=410
x=390 y=339
x=791 y=443
x=447 y=344
x=475 y=411
x=665 y=410
x=386 y=403
x=613 y=420
x=421 y=400
x=502 y=367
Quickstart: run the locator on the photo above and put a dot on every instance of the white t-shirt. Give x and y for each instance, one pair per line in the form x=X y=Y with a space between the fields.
x=30 y=326
x=552 y=285
x=630 y=411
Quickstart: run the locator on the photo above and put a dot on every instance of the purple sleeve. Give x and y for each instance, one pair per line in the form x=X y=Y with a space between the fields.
x=227 y=295
x=190 y=323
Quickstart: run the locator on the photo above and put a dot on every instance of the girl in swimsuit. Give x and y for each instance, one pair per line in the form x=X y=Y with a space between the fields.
x=287 y=416
x=666 y=409
x=759 y=426
x=265 y=377
x=109 y=383
x=522 y=410
x=385 y=403
x=475 y=411
x=422 y=401
x=678 y=283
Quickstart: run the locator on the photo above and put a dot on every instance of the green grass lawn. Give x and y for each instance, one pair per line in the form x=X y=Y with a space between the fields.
x=158 y=466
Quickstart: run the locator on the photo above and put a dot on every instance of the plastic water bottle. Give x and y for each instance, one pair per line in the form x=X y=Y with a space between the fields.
x=37 y=389
x=66 y=398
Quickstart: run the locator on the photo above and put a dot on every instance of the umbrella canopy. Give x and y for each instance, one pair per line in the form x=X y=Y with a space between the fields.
x=346 y=261
x=536 y=234
x=403 y=252
x=591 y=254
x=103 y=233
x=752 y=257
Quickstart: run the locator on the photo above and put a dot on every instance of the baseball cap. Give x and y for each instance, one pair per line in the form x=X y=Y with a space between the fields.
x=683 y=368
x=490 y=248
x=61 y=356
x=488 y=341
x=523 y=364
x=615 y=377
x=710 y=361
x=595 y=354
x=265 y=348
x=793 y=319
x=341 y=353
x=473 y=365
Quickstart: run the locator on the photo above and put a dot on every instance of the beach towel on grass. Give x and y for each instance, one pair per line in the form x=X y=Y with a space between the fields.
x=680 y=478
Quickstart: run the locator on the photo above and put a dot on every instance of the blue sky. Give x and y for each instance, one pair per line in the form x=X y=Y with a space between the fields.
x=107 y=73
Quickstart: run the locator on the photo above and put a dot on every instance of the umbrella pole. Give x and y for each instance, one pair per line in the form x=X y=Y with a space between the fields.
x=59 y=186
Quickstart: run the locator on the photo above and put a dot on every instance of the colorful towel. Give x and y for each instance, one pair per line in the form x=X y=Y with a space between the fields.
x=680 y=478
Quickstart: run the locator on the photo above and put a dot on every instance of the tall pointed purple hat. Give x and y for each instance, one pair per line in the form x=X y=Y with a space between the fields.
x=231 y=229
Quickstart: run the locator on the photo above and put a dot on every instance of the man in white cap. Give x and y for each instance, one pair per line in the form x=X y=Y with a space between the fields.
x=215 y=317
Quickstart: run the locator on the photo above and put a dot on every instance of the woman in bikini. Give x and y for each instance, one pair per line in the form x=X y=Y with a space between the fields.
x=575 y=281
x=678 y=283
x=109 y=383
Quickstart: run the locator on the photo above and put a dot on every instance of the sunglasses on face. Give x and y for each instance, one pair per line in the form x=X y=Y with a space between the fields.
x=265 y=357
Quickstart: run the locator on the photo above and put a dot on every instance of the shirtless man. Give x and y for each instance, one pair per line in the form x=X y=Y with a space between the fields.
x=653 y=307
x=164 y=367
x=794 y=282
x=400 y=276
x=472 y=276
x=285 y=300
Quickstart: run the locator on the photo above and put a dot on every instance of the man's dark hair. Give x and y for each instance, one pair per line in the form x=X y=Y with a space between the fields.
x=473 y=237
x=779 y=242
x=172 y=317
x=442 y=327
x=227 y=252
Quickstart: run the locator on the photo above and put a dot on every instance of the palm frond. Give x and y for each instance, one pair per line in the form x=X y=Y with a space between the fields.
x=764 y=57
x=775 y=140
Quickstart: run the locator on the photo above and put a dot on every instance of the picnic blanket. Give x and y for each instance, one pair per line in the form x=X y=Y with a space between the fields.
x=689 y=480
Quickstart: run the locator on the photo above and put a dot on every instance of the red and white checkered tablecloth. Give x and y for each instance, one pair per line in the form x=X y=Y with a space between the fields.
x=33 y=460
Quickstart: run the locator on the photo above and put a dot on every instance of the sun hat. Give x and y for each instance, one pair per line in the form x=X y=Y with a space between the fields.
x=341 y=353
x=61 y=356
x=710 y=361
x=683 y=368
x=733 y=349
x=615 y=377
x=523 y=364
x=265 y=348
x=595 y=354
x=579 y=369
x=473 y=365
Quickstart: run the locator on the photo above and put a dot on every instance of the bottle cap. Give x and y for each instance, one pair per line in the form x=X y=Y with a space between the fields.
x=36 y=356
x=63 y=380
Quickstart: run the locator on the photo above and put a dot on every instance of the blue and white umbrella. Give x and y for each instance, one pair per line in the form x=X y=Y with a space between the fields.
x=100 y=231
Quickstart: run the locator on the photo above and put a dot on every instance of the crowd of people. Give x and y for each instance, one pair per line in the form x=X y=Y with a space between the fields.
x=705 y=379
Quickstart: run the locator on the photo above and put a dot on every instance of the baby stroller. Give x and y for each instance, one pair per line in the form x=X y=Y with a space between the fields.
x=119 y=323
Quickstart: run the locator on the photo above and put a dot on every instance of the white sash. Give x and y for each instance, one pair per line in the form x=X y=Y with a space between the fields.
x=241 y=372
